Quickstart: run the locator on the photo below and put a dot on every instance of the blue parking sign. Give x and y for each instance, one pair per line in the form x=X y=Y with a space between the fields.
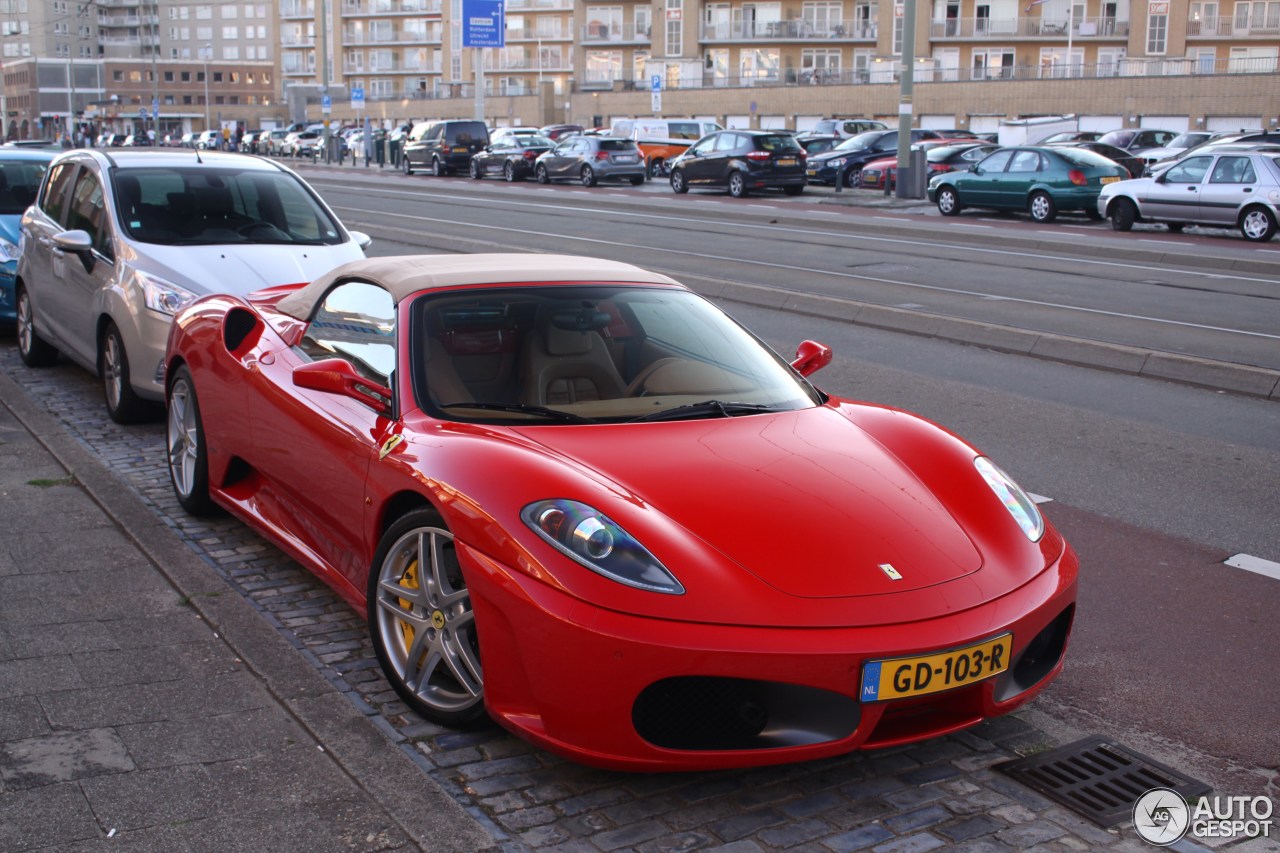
x=656 y=83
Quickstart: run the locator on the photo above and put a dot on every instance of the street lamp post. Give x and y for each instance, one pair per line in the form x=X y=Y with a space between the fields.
x=207 y=50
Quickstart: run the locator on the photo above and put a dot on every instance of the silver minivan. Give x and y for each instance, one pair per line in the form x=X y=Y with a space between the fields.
x=117 y=242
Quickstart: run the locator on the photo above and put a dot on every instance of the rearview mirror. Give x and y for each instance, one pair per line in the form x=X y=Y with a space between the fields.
x=811 y=357
x=78 y=243
x=337 y=376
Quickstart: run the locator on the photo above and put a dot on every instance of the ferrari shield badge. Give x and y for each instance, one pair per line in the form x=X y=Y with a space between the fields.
x=389 y=445
x=891 y=572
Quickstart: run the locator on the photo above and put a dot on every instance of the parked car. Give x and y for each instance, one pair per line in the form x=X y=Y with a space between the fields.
x=444 y=147
x=301 y=143
x=556 y=132
x=591 y=159
x=1071 y=136
x=249 y=141
x=661 y=140
x=742 y=161
x=845 y=161
x=136 y=140
x=817 y=144
x=135 y=235
x=1223 y=187
x=1177 y=145
x=946 y=156
x=845 y=127
x=208 y=140
x=1255 y=138
x=22 y=169
x=273 y=144
x=953 y=133
x=537 y=467
x=500 y=132
x=1138 y=140
x=513 y=157
x=1132 y=163
x=1042 y=181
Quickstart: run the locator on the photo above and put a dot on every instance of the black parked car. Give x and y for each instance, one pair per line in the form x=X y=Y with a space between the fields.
x=818 y=143
x=444 y=147
x=591 y=159
x=1132 y=163
x=510 y=156
x=742 y=161
x=845 y=161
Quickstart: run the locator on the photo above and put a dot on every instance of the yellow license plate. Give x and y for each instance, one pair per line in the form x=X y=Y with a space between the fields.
x=786 y=161
x=811 y=172
x=1110 y=180
x=898 y=678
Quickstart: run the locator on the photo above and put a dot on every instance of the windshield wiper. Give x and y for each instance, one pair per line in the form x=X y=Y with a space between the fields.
x=543 y=411
x=706 y=409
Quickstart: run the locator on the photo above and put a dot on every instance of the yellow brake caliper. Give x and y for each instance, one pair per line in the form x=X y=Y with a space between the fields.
x=409 y=580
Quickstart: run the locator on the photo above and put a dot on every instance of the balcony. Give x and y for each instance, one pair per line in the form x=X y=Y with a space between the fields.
x=1224 y=27
x=971 y=29
x=606 y=34
x=539 y=5
x=119 y=20
x=297 y=10
x=358 y=8
x=536 y=34
x=794 y=30
x=293 y=40
x=352 y=39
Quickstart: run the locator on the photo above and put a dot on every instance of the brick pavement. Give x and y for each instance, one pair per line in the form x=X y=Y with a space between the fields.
x=935 y=795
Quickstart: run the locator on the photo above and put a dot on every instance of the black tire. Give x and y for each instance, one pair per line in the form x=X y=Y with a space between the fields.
x=678 y=184
x=1175 y=227
x=406 y=165
x=415 y=624
x=1257 y=224
x=475 y=171
x=186 y=448
x=509 y=172
x=123 y=403
x=437 y=168
x=853 y=177
x=637 y=180
x=948 y=201
x=1041 y=207
x=34 y=350
x=587 y=176
x=737 y=185
x=796 y=190
x=655 y=168
x=1122 y=215
x=540 y=174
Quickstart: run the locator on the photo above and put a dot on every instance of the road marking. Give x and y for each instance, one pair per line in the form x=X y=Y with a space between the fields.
x=1257 y=565
x=1040 y=499
x=889 y=218
x=968 y=225
x=525 y=232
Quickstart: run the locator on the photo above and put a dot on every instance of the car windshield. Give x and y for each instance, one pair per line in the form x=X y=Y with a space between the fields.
x=527 y=141
x=617 y=145
x=778 y=142
x=19 y=180
x=859 y=142
x=1083 y=158
x=199 y=205
x=1186 y=140
x=592 y=354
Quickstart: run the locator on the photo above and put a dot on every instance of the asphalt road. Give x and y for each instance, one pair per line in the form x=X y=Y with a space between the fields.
x=1156 y=484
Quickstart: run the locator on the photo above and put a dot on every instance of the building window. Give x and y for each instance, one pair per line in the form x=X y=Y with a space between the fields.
x=823 y=18
x=758 y=64
x=675 y=27
x=993 y=64
x=1157 y=28
x=820 y=65
x=603 y=66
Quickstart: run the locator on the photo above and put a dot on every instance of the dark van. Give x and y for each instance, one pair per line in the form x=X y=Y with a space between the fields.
x=444 y=147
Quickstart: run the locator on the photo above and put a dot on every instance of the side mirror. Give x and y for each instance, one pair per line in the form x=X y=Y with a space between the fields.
x=974 y=168
x=362 y=239
x=77 y=243
x=336 y=376
x=811 y=357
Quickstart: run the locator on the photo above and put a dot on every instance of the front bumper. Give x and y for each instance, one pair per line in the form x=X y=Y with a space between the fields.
x=619 y=691
x=8 y=292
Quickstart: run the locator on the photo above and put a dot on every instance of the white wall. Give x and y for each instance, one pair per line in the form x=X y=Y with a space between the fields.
x=1176 y=123
x=946 y=122
x=737 y=122
x=773 y=122
x=985 y=124
x=1233 y=123
x=804 y=123
x=1101 y=124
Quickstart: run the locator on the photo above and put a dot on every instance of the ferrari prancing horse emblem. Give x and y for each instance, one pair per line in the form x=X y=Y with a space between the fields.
x=894 y=574
x=389 y=445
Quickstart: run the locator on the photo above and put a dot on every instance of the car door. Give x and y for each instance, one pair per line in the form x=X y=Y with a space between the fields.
x=1175 y=194
x=1014 y=188
x=1232 y=182
x=314 y=447
x=567 y=156
x=981 y=186
x=698 y=165
x=41 y=263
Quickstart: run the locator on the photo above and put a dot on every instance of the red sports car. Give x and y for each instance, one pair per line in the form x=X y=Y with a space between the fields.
x=575 y=495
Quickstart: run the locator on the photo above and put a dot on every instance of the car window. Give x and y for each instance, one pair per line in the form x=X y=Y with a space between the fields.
x=356 y=322
x=726 y=142
x=88 y=211
x=54 y=201
x=19 y=183
x=1189 y=171
x=706 y=146
x=617 y=145
x=1233 y=170
x=684 y=130
x=1025 y=161
x=997 y=161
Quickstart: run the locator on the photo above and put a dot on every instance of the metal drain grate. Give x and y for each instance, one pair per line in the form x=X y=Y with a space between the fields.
x=1098 y=778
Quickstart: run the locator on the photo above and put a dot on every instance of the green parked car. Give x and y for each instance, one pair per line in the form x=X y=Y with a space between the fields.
x=1041 y=181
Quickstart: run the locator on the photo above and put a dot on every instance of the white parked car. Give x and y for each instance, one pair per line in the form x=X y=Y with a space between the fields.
x=117 y=242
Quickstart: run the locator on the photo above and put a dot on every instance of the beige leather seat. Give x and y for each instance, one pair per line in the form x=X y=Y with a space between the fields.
x=566 y=359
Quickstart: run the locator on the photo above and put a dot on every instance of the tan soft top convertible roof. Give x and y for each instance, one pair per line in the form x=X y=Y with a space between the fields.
x=405 y=274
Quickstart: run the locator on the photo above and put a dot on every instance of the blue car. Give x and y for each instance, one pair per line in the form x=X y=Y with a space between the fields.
x=21 y=170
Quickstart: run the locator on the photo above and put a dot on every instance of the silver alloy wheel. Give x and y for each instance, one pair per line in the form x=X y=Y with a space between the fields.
x=113 y=369
x=425 y=623
x=947 y=202
x=182 y=437
x=737 y=185
x=26 y=329
x=1042 y=208
x=509 y=172
x=1257 y=225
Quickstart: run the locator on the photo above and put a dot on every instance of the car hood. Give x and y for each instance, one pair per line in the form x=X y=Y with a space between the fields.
x=241 y=269
x=806 y=501
x=847 y=152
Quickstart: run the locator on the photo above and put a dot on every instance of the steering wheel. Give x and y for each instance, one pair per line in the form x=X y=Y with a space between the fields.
x=247 y=230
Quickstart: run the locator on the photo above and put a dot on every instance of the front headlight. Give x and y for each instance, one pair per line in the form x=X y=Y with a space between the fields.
x=162 y=296
x=589 y=537
x=8 y=251
x=837 y=163
x=1019 y=503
